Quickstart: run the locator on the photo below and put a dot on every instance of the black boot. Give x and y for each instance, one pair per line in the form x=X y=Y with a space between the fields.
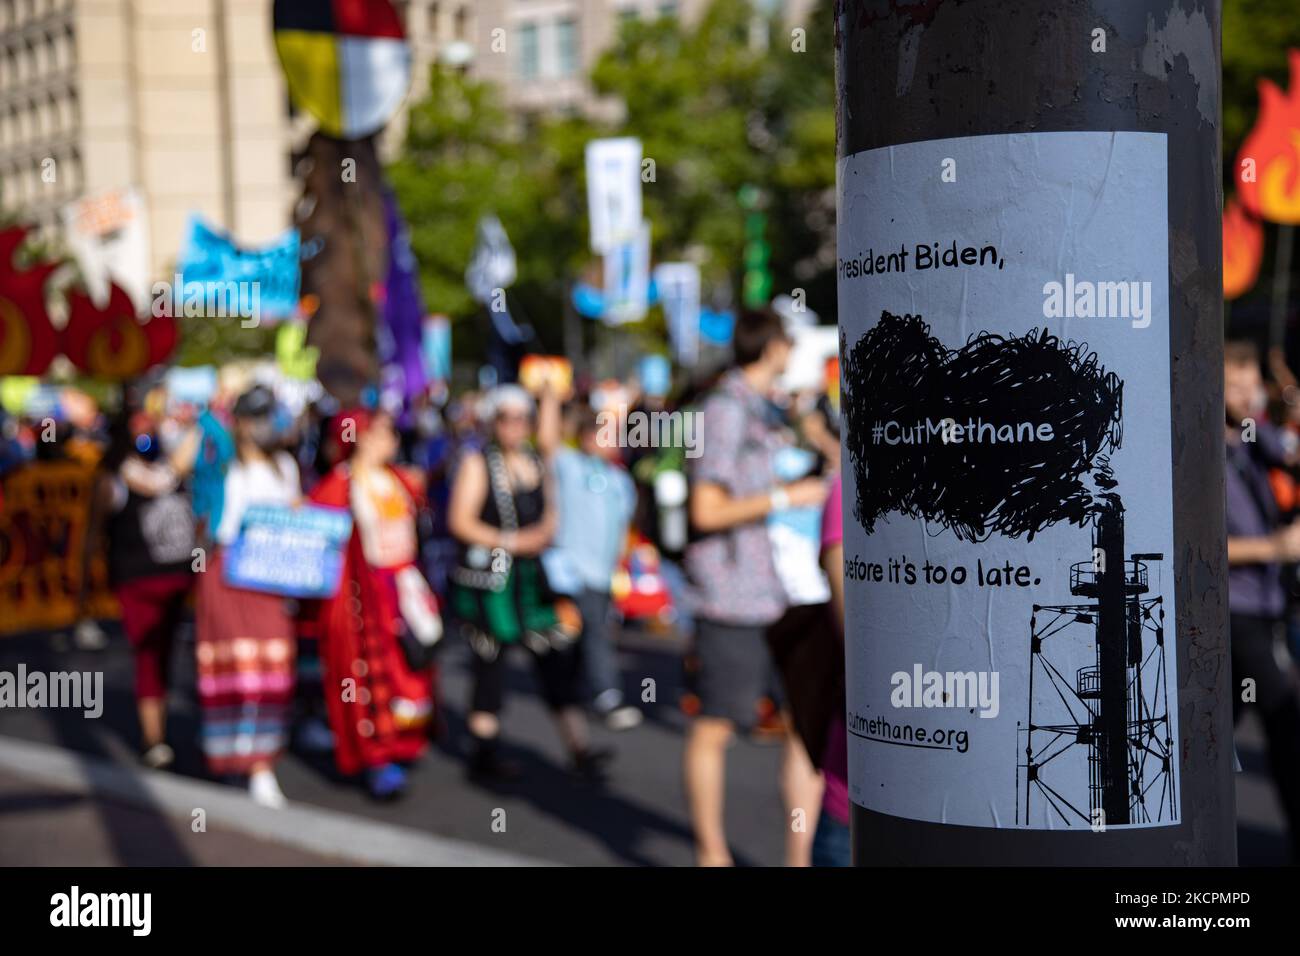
x=591 y=764
x=488 y=766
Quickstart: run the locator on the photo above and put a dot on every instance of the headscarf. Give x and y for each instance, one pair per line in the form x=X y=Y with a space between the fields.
x=503 y=397
x=346 y=429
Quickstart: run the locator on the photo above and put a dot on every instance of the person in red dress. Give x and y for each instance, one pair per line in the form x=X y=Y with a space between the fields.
x=379 y=706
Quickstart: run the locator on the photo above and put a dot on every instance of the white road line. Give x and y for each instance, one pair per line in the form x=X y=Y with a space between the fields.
x=325 y=832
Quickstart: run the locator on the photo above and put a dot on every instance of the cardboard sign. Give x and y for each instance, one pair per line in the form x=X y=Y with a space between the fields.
x=296 y=552
x=536 y=371
x=42 y=533
x=613 y=191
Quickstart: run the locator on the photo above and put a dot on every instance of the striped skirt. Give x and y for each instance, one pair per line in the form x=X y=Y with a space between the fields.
x=245 y=654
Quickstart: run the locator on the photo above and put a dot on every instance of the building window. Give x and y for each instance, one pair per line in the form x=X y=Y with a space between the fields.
x=566 y=47
x=431 y=22
x=530 y=66
x=668 y=9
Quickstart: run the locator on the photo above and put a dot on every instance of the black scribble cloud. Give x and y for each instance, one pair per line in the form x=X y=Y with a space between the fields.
x=899 y=372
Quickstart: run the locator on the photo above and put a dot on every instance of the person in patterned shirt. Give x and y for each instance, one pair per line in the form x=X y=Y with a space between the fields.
x=729 y=561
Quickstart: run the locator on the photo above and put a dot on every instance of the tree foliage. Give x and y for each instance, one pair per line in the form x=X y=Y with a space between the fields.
x=714 y=110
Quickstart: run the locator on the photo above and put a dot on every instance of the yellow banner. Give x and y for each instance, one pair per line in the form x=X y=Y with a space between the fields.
x=44 y=512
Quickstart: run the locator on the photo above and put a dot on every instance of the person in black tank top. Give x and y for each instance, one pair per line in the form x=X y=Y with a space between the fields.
x=148 y=527
x=502 y=515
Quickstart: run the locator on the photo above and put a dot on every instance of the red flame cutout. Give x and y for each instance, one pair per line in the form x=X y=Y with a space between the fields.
x=28 y=342
x=112 y=342
x=1272 y=152
x=1243 y=249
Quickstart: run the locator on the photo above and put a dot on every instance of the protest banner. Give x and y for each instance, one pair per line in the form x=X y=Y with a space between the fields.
x=217 y=278
x=108 y=235
x=627 y=279
x=296 y=552
x=613 y=192
x=42 y=533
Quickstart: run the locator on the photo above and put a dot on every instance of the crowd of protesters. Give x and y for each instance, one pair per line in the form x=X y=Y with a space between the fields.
x=503 y=520
x=1262 y=432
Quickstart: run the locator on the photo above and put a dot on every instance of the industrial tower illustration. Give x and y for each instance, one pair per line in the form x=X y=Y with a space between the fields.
x=1116 y=709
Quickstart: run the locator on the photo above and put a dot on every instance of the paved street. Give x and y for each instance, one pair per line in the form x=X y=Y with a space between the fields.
x=42 y=826
x=637 y=819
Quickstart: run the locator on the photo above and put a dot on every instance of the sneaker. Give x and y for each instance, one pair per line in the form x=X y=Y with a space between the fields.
x=265 y=790
x=89 y=636
x=623 y=718
x=314 y=736
x=387 y=782
x=158 y=757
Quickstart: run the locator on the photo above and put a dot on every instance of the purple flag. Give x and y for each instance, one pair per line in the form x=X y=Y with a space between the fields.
x=400 y=330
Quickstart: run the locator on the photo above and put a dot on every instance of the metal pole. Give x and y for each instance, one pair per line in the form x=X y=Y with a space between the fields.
x=912 y=71
x=1281 y=286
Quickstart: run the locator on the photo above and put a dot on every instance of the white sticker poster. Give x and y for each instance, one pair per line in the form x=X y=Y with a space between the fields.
x=1008 y=487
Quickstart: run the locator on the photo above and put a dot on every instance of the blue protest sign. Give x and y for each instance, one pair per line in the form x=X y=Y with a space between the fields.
x=296 y=552
x=211 y=267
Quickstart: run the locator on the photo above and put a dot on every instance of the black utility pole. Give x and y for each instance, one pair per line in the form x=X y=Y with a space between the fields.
x=911 y=71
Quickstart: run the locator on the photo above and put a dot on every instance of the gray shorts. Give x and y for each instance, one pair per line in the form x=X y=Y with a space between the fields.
x=734 y=668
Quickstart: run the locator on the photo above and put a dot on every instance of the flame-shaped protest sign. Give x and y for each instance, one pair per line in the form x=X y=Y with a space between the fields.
x=111 y=342
x=1269 y=162
x=1243 y=249
x=28 y=342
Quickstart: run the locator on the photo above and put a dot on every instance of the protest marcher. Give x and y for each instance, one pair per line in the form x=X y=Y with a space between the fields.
x=1258 y=545
x=504 y=517
x=373 y=633
x=597 y=500
x=806 y=649
x=245 y=641
x=730 y=562
x=144 y=516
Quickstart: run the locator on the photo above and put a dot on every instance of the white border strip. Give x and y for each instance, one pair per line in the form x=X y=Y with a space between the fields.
x=324 y=832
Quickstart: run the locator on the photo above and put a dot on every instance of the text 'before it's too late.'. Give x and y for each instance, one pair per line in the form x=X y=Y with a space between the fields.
x=905 y=572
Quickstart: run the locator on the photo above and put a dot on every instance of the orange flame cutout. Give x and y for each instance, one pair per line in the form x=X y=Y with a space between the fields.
x=111 y=342
x=28 y=342
x=1274 y=145
x=1243 y=249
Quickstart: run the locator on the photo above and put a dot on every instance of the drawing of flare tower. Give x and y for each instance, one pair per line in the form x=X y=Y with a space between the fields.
x=1117 y=708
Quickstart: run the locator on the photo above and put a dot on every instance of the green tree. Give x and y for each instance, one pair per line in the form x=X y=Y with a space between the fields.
x=1256 y=37
x=465 y=157
x=715 y=112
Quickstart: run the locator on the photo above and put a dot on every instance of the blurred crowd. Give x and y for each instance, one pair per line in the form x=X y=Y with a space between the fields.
x=1262 y=479
x=532 y=522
